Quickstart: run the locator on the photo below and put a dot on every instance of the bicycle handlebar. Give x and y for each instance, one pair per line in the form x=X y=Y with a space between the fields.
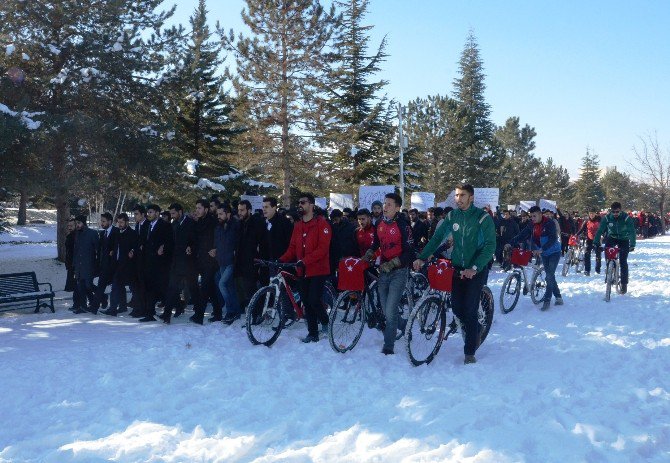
x=276 y=264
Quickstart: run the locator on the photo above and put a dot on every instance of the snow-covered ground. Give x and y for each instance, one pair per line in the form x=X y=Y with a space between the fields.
x=586 y=382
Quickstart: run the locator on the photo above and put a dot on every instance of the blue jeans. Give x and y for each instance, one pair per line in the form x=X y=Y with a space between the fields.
x=227 y=289
x=390 y=287
x=550 y=263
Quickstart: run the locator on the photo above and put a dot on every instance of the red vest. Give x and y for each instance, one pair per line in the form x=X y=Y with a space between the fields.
x=592 y=228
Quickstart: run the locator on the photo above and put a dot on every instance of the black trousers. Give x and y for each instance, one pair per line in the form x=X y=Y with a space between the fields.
x=246 y=287
x=598 y=251
x=624 y=247
x=104 y=280
x=465 y=297
x=209 y=292
x=311 y=293
x=175 y=286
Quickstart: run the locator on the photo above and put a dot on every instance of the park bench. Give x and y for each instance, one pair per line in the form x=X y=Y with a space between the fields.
x=17 y=290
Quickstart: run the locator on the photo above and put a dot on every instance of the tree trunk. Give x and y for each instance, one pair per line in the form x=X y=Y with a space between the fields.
x=23 y=200
x=62 y=216
x=283 y=116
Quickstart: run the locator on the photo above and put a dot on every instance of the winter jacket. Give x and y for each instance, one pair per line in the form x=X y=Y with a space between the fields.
x=394 y=239
x=185 y=237
x=621 y=228
x=107 y=243
x=276 y=236
x=86 y=246
x=226 y=238
x=248 y=244
x=310 y=243
x=156 y=265
x=590 y=227
x=365 y=238
x=508 y=230
x=343 y=243
x=474 y=237
x=542 y=236
x=125 y=269
x=204 y=232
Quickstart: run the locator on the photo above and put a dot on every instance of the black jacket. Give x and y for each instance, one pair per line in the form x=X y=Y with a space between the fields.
x=85 y=259
x=419 y=231
x=343 y=243
x=106 y=262
x=251 y=235
x=184 y=235
x=204 y=231
x=276 y=237
x=508 y=229
x=161 y=235
x=125 y=270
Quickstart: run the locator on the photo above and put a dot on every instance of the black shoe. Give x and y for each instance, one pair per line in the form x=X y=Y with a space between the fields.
x=230 y=319
x=105 y=301
x=586 y=274
x=387 y=351
x=310 y=338
x=122 y=310
x=148 y=319
x=215 y=318
x=624 y=288
x=598 y=271
x=324 y=328
x=178 y=312
x=135 y=314
x=545 y=305
x=92 y=310
x=73 y=309
x=469 y=359
x=80 y=311
x=197 y=320
x=110 y=312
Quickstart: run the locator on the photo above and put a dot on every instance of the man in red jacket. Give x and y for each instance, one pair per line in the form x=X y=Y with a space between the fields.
x=365 y=233
x=310 y=246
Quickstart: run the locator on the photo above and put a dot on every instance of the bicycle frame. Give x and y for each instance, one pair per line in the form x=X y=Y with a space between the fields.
x=283 y=279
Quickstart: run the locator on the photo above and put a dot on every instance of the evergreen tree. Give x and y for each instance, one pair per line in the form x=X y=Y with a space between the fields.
x=280 y=69
x=588 y=190
x=355 y=123
x=618 y=186
x=555 y=185
x=88 y=70
x=477 y=152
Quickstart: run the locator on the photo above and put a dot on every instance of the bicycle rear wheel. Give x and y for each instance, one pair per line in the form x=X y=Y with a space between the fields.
x=486 y=309
x=510 y=292
x=425 y=330
x=580 y=261
x=265 y=318
x=346 y=321
x=538 y=286
x=567 y=261
x=609 y=279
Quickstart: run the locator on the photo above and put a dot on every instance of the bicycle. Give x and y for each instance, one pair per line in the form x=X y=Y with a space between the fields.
x=358 y=304
x=574 y=256
x=612 y=273
x=277 y=305
x=511 y=287
x=427 y=326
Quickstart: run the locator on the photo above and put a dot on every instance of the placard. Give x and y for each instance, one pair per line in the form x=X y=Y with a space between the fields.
x=487 y=197
x=256 y=201
x=421 y=200
x=511 y=207
x=369 y=194
x=322 y=203
x=526 y=205
x=341 y=201
x=548 y=204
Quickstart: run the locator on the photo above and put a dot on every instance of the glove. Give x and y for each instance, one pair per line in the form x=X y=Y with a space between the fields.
x=390 y=265
x=369 y=255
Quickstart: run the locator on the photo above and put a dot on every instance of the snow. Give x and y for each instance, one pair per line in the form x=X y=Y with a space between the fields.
x=584 y=382
x=26 y=117
x=206 y=183
x=117 y=47
x=25 y=57
x=191 y=166
x=149 y=130
x=261 y=184
x=54 y=49
x=9 y=49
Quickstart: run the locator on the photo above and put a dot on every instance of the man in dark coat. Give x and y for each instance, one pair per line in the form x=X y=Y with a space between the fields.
x=226 y=237
x=70 y=281
x=507 y=229
x=419 y=230
x=206 y=265
x=276 y=236
x=124 y=265
x=182 y=272
x=137 y=284
x=251 y=235
x=343 y=242
x=157 y=254
x=85 y=256
x=108 y=234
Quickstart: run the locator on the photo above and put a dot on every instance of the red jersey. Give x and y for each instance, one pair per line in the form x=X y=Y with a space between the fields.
x=365 y=237
x=310 y=243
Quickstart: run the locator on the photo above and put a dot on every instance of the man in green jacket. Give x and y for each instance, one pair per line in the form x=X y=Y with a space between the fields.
x=620 y=231
x=474 y=238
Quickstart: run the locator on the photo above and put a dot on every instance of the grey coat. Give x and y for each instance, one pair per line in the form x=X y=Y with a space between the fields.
x=86 y=245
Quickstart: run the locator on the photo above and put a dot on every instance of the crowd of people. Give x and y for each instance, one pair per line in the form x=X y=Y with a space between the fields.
x=207 y=256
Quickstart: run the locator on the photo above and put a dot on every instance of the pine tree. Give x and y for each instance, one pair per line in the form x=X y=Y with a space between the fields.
x=588 y=190
x=554 y=184
x=280 y=69
x=618 y=186
x=477 y=151
x=89 y=70
x=354 y=125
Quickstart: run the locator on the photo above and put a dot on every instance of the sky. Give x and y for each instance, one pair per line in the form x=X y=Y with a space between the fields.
x=584 y=74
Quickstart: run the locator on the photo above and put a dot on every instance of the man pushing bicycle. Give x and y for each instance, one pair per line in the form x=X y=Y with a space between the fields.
x=474 y=238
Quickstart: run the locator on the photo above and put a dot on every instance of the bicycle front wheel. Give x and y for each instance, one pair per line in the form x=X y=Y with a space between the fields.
x=567 y=262
x=346 y=321
x=538 y=286
x=425 y=330
x=509 y=294
x=485 y=315
x=609 y=278
x=265 y=319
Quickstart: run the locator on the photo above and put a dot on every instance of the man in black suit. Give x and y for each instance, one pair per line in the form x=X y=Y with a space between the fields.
x=251 y=235
x=125 y=268
x=182 y=271
x=157 y=254
x=206 y=265
x=107 y=239
x=276 y=236
x=137 y=284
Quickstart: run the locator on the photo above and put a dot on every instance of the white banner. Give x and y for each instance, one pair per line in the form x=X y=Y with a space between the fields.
x=483 y=197
x=422 y=200
x=548 y=204
x=450 y=201
x=256 y=201
x=369 y=194
x=511 y=207
x=322 y=203
x=340 y=201
x=525 y=205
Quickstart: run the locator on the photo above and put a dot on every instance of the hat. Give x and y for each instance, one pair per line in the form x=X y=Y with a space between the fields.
x=81 y=218
x=377 y=203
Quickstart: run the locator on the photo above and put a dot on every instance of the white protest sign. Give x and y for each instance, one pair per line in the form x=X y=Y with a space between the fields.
x=369 y=194
x=340 y=201
x=526 y=205
x=421 y=200
x=322 y=203
x=487 y=197
x=548 y=204
x=256 y=201
x=511 y=207
x=451 y=200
